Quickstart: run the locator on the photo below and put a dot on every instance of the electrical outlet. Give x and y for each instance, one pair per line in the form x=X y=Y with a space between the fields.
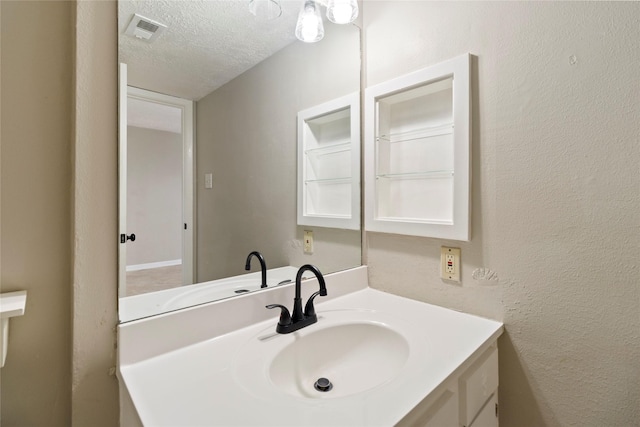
x=450 y=263
x=208 y=180
x=308 y=241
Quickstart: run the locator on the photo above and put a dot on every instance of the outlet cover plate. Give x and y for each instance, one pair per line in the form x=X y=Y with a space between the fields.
x=450 y=264
x=308 y=241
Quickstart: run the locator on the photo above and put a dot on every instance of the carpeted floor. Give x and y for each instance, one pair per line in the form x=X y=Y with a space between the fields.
x=153 y=279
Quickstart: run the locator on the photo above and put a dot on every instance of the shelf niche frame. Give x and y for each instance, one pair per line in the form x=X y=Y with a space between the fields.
x=329 y=164
x=420 y=191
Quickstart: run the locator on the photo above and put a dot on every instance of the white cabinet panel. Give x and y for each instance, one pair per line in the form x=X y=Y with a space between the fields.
x=488 y=416
x=477 y=384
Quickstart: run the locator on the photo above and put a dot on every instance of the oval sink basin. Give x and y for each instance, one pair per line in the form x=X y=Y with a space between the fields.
x=212 y=292
x=354 y=357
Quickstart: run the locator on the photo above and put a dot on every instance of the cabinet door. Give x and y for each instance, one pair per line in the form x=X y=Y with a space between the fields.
x=329 y=164
x=478 y=384
x=488 y=416
x=417 y=153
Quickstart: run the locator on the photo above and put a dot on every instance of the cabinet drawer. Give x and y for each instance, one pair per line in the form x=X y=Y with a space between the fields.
x=477 y=384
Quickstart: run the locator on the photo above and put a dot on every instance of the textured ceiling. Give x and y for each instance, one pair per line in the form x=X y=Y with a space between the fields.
x=206 y=44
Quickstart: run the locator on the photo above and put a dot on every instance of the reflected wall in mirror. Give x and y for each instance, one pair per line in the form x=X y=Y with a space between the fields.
x=246 y=102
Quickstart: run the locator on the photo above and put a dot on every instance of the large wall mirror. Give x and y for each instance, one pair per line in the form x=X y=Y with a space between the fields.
x=246 y=77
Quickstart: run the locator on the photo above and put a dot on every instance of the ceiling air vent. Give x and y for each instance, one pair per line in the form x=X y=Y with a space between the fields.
x=144 y=28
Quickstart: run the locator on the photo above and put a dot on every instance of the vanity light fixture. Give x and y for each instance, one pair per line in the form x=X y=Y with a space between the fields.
x=342 y=11
x=309 y=28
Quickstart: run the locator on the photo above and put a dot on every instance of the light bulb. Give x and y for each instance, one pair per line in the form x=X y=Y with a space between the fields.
x=342 y=11
x=309 y=28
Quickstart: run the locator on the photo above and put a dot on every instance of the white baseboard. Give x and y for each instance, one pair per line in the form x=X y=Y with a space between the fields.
x=158 y=264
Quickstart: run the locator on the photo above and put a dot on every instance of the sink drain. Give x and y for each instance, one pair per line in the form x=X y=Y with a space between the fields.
x=241 y=291
x=323 y=384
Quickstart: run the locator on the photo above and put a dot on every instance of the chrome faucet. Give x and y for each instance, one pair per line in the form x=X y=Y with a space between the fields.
x=299 y=319
x=263 y=266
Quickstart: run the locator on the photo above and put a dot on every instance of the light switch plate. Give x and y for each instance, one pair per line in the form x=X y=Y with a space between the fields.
x=450 y=263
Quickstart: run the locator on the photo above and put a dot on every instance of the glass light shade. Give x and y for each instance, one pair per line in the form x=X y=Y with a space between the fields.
x=342 y=11
x=265 y=9
x=309 y=28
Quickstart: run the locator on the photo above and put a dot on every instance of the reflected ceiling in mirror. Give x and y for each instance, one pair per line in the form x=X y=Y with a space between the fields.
x=205 y=45
x=248 y=90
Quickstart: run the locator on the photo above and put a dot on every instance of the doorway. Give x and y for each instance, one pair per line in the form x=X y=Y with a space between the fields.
x=156 y=192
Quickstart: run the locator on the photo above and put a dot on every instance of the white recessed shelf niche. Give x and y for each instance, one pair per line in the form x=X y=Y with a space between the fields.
x=329 y=164
x=417 y=153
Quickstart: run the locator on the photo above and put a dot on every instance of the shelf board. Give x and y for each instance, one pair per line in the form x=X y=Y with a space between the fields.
x=415 y=220
x=312 y=215
x=13 y=304
x=329 y=117
x=422 y=133
x=345 y=180
x=419 y=91
x=417 y=175
x=329 y=149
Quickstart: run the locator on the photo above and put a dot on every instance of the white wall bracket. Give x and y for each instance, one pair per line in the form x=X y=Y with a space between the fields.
x=11 y=304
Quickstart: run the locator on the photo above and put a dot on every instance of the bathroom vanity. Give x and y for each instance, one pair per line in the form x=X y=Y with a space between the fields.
x=383 y=360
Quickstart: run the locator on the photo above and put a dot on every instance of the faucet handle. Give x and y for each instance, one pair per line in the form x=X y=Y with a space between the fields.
x=285 y=317
x=309 y=309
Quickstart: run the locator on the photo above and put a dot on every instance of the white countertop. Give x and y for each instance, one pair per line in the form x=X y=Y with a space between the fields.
x=202 y=383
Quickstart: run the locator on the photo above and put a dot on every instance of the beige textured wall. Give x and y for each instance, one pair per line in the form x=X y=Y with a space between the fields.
x=58 y=211
x=94 y=389
x=246 y=137
x=556 y=196
x=37 y=99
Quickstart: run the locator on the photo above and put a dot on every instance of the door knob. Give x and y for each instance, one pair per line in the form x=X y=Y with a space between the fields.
x=124 y=238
